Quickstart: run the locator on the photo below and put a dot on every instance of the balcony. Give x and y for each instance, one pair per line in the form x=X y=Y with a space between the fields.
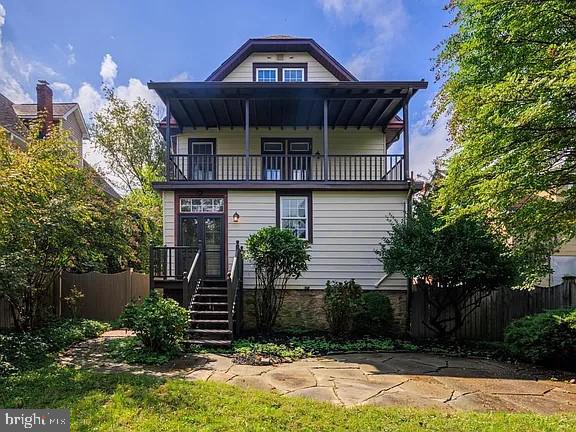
x=285 y=168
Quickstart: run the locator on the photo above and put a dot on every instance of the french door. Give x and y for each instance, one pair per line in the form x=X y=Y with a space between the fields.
x=205 y=232
x=286 y=158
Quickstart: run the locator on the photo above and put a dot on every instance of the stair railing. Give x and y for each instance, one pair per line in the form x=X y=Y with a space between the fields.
x=234 y=283
x=192 y=278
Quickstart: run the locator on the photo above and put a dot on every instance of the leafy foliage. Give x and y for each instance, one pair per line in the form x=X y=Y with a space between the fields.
x=456 y=265
x=278 y=255
x=131 y=350
x=30 y=350
x=375 y=316
x=342 y=303
x=547 y=338
x=159 y=323
x=126 y=134
x=52 y=217
x=509 y=75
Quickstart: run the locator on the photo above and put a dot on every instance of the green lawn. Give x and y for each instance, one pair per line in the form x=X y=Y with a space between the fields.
x=120 y=402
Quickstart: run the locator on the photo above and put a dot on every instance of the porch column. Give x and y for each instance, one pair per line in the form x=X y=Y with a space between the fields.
x=247 y=139
x=167 y=153
x=406 y=135
x=325 y=139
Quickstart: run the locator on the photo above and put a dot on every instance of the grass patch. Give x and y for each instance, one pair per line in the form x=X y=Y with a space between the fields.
x=130 y=350
x=30 y=350
x=122 y=402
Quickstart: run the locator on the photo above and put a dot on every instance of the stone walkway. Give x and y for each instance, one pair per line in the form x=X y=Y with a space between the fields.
x=384 y=379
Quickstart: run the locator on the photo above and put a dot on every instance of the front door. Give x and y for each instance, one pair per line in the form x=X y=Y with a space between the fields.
x=206 y=232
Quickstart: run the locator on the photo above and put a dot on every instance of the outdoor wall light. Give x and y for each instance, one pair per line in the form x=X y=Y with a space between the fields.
x=236 y=217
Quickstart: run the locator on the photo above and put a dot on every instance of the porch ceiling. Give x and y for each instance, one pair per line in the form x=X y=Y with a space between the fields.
x=221 y=104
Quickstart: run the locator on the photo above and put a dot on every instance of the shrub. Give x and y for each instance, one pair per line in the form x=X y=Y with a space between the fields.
x=341 y=303
x=375 y=316
x=278 y=255
x=130 y=350
x=547 y=338
x=158 y=322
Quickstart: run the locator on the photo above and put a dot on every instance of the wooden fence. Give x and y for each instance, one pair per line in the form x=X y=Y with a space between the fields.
x=104 y=295
x=496 y=311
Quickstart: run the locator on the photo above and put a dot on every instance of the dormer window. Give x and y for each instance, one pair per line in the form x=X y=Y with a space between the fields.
x=293 y=74
x=266 y=74
x=280 y=72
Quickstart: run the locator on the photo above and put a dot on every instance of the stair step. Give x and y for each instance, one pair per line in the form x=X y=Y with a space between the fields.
x=211 y=331
x=210 y=295
x=209 y=342
x=208 y=321
x=209 y=304
x=209 y=312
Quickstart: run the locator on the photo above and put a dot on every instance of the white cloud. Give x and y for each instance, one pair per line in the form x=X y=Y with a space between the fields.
x=427 y=142
x=65 y=89
x=2 y=21
x=108 y=70
x=71 y=55
x=182 y=76
x=89 y=99
x=385 y=21
x=16 y=71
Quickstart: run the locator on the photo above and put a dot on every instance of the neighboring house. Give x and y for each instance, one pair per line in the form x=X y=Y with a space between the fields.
x=15 y=118
x=563 y=263
x=280 y=134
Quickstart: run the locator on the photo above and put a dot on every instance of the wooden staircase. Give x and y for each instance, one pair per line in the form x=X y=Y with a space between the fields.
x=209 y=316
x=215 y=306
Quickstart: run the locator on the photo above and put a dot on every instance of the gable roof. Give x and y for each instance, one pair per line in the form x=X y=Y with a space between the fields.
x=9 y=120
x=31 y=109
x=61 y=110
x=281 y=43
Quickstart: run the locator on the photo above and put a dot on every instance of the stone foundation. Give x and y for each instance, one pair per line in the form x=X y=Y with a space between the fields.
x=304 y=310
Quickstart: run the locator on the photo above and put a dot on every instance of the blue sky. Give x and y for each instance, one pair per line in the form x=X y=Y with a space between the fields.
x=78 y=44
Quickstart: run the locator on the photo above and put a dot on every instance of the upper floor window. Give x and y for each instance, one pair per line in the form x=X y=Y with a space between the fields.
x=293 y=74
x=267 y=74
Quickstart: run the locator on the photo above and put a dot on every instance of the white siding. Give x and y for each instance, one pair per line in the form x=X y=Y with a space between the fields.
x=347 y=228
x=169 y=216
x=316 y=72
x=363 y=141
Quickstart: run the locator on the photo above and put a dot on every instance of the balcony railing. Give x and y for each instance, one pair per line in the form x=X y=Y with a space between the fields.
x=290 y=168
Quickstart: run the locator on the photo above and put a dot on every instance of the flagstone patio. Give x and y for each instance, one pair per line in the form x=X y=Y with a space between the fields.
x=387 y=379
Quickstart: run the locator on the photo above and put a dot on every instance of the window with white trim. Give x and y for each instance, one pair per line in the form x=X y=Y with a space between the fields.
x=293 y=74
x=201 y=205
x=266 y=74
x=294 y=213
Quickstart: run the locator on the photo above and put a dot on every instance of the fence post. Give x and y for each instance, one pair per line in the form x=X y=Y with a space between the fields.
x=570 y=283
x=128 y=289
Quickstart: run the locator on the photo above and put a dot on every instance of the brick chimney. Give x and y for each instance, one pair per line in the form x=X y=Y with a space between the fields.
x=44 y=105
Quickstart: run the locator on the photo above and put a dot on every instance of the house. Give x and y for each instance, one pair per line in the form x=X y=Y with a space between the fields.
x=16 y=118
x=280 y=134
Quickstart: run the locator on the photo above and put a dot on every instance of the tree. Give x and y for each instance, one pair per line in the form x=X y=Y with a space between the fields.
x=454 y=265
x=509 y=74
x=127 y=136
x=278 y=256
x=52 y=217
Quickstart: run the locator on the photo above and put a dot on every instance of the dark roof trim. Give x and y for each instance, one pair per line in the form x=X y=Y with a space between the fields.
x=248 y=85
x=282 y=45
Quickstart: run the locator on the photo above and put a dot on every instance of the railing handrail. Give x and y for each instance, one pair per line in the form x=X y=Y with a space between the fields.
x=193 y=278
x=287 y=167
x=233 y=284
